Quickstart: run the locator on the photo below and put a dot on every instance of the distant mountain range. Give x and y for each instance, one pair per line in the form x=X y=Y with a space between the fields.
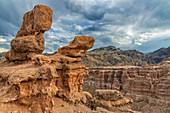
x=111 y=56
x=159 y=55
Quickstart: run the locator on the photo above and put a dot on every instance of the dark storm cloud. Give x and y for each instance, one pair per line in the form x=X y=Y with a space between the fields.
x=95 y=13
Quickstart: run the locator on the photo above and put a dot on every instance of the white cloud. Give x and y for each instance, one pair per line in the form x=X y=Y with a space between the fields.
x=2 y=40
x=3 y=50
x=78 y=27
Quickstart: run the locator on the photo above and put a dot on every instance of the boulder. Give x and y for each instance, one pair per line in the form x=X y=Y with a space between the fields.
x=108 y=95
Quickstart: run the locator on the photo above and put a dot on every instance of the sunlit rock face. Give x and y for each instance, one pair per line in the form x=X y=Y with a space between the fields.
x=29 y=39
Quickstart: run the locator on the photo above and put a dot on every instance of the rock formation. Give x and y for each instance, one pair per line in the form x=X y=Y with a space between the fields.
x=31 y=79
x=29 y=39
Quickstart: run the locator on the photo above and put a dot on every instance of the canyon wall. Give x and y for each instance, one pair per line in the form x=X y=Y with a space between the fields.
x=146 y=80
x=147 y=85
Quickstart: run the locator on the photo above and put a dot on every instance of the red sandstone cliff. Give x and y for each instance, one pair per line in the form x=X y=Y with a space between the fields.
x=148 y=80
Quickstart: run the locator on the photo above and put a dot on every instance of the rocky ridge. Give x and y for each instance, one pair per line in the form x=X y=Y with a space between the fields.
x=159 y=55
x=112 y=56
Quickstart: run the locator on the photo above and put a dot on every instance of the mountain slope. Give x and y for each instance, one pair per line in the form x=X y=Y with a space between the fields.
x=110 y=56
x=159 y=55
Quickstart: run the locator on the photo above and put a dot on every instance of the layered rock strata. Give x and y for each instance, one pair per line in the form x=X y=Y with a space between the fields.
x=31 y=79
x=148 y=79
x=147 y=85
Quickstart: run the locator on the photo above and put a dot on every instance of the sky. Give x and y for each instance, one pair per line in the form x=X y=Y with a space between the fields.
x=143 y=25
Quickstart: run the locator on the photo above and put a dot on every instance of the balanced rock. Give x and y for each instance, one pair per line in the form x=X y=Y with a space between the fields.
x=29 y=39
x=31 y=79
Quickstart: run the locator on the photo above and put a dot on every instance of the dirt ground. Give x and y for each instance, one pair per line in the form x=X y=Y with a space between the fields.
x=60 y=106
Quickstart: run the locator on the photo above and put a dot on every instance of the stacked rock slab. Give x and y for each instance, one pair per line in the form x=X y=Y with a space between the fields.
x=22 y=82
x=31 y=79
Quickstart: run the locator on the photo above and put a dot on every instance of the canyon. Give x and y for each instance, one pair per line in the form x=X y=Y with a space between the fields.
x=150 y=83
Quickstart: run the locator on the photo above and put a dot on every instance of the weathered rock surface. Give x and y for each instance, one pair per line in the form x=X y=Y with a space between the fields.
x=149 y=104
x=30 y=43
x=147 y=79
x=36 y=21
x=31 y=79
x=29 y=39
x=28 y=84
x=34 y=82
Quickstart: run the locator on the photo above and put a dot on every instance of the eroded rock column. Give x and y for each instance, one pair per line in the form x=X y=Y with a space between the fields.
x=29 y=40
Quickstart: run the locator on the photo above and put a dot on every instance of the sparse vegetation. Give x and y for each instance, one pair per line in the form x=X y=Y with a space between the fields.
x=62 y=105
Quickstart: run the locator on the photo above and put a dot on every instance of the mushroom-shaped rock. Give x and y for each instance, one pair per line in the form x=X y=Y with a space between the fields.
x=77 y=47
